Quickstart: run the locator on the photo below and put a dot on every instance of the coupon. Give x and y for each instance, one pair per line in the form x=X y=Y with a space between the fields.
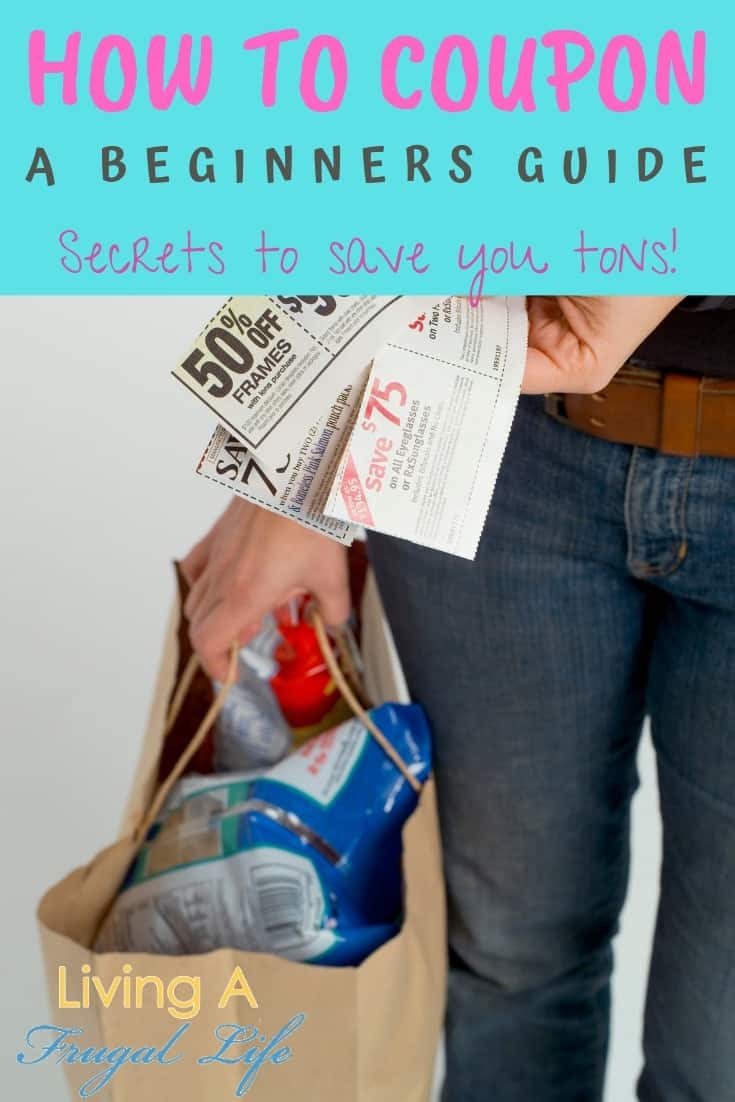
x=270 y=366
x=433 y=425
x=299 y=486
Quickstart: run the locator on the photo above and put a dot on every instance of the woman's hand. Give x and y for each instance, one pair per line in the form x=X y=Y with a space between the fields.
x=576 y=344
x=251 y=562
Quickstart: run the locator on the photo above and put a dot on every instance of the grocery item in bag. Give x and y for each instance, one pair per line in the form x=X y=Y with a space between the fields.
x=303 y=860
x=303 y=685
x=251 y=730
x=284 y=694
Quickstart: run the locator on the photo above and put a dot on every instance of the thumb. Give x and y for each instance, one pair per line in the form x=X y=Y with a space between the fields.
x=541 y=375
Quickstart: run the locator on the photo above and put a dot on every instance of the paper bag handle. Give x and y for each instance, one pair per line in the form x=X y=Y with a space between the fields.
x=184 y=684
x=177 y=701
x=350 y=697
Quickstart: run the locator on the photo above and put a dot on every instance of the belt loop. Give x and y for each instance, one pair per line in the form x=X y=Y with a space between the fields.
x=681 y=401
x=555 y=406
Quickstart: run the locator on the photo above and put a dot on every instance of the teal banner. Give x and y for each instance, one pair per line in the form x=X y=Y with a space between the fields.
x=417 y=147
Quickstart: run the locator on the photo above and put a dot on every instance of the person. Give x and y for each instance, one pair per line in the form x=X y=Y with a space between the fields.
x=603 y=591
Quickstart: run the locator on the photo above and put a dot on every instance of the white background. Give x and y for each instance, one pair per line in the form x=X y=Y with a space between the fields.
x=99 y=446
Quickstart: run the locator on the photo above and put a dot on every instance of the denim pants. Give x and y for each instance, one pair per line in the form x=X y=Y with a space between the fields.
x=603 y=591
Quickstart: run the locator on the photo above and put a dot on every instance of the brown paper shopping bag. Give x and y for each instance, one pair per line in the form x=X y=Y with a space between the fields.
x=364 y=1034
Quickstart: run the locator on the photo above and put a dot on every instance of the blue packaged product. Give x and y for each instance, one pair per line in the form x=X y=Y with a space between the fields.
x=303 y=860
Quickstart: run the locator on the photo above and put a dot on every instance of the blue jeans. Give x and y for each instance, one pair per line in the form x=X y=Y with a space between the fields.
x=603 y=591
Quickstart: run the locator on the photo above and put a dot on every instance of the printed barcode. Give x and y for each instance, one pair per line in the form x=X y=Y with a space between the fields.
x=281 y=902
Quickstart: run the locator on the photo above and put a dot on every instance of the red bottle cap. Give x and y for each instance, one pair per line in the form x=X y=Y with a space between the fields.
x=303 y=685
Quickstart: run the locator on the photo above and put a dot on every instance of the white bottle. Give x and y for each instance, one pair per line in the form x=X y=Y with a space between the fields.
x=251 y=730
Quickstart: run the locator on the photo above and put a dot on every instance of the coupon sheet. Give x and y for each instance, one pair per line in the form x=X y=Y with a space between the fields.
x=271 y=366
x=411 y=444
x=298 y=488
x=429 y=439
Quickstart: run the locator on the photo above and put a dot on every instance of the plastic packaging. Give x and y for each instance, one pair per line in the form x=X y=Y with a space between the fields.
x=251 y=730
x=303 y=860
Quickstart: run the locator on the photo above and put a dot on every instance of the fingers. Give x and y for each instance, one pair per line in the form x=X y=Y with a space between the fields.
x=544 y=375
x=199 y=595
x=213 y=634
x=212 y=638
x=193 y=566
x=559 y=357
x=576 y=344
x=236 y=514
x=209 y=558
x=225 y=607
x=249 y=564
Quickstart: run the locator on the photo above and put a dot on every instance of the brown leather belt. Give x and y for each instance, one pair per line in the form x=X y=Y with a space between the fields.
x=683 y=415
